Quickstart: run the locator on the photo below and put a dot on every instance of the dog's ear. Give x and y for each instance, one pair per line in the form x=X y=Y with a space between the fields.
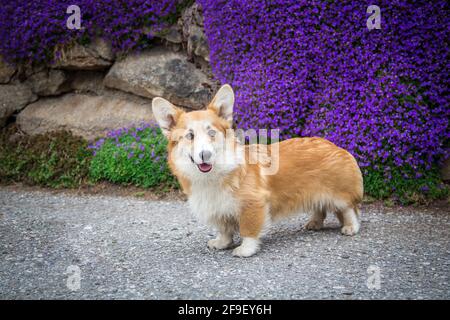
x=166 y=114
x=223 y=103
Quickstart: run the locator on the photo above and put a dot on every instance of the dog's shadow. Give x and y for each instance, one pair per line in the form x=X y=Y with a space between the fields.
x=289 y=234
x=299 y=234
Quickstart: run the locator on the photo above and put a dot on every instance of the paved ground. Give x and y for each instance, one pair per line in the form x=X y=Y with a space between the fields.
x=128 y=248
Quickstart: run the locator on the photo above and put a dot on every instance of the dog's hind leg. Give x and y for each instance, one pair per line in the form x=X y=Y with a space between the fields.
x=316 y=220
x=349 y=220
x=340 y=217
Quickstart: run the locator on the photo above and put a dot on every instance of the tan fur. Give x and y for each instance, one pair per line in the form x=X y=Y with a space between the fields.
x=311 y=171
x=314 y=175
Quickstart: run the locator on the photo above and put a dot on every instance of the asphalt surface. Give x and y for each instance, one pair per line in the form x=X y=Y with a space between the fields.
x=60 y=246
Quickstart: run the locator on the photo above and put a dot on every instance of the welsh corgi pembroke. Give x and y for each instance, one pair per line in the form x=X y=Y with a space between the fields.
x=238 y=187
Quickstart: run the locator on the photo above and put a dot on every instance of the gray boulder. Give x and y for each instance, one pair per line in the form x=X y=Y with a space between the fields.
x=96 y=55
x=161 y=72
x=83 y=115
x=49 y=82
x=13 y=98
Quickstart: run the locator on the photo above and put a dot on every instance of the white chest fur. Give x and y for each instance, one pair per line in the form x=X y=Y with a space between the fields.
x=211 y=202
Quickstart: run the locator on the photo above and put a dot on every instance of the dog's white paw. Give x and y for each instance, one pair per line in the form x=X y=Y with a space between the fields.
x=350 y=230
x=248 y=248
x=219 y=243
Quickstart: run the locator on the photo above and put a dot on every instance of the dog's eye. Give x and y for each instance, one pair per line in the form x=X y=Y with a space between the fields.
x=190 y=136
x=212 y=133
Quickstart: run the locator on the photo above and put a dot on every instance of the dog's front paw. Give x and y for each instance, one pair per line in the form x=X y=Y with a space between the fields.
x=219 y=243
x=248 y=248
x=350 y=230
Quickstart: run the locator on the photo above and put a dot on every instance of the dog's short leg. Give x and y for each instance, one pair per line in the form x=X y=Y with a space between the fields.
x=350 y=222
x=223 y=240
x=248 y=247
x=251 y=224
x=340 y=217
x=316 y=220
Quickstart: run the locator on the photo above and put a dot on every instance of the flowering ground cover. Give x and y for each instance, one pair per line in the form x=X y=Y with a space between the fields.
x=135 y=155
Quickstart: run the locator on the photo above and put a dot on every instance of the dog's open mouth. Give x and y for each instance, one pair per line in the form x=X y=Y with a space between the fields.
x=203 y=167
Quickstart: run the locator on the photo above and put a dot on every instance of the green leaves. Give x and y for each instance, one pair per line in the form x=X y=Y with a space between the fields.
x=56 y=159
x=412 y=188
x=133 y=156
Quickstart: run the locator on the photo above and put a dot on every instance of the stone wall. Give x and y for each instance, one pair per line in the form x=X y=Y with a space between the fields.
x=89 y=90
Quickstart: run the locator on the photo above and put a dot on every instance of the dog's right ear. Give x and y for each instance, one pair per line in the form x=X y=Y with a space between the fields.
x=166 y=114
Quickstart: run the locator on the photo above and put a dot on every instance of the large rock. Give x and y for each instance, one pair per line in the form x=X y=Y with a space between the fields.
x=49 y=82
x=6 y=71
x=161 y=72
x=83 y=115
x=13 y=98
x=96 y=55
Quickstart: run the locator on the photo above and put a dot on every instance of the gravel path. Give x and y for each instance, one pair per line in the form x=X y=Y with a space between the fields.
x=66 y=246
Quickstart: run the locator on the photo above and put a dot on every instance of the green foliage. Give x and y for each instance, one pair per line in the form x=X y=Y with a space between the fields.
x=404 y=188
x=56 y=159
x=135 y=156
x=138 y=156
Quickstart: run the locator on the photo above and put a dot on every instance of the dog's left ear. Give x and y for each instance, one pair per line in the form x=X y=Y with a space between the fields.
x=223 y=103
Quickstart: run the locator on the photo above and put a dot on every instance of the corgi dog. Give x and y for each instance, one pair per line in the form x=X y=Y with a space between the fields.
x=230 y=190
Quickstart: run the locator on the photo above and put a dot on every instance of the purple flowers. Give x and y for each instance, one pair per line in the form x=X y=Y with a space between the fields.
x=314 y=69
x=31 y=30
x=128 y=140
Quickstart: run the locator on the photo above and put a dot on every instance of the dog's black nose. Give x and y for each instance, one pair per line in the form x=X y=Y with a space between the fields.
x=205 y=155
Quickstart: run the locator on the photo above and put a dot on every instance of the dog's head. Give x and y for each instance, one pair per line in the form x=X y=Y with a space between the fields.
x=201 y=144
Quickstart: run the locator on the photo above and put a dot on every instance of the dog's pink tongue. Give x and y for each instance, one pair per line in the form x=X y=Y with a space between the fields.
x=204 y=167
